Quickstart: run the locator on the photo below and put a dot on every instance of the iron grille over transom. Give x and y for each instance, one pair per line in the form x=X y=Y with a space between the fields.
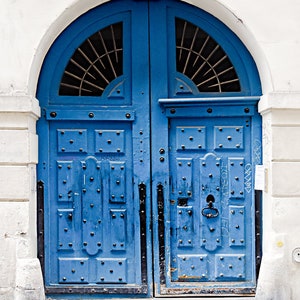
x=94 y=64
x=202 y=59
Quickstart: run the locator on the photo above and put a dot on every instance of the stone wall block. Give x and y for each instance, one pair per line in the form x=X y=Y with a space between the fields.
x=18 y=147
x=285 y=179
x=272 y=285
x=286 y=143
x=28 y=280
x=7 y=264
x=285 y=216
x=14 y=183
x=286 y=117
x=14 y=146
x=20 y=104
x=13 y=120
x=14 y=221
x=7 y=293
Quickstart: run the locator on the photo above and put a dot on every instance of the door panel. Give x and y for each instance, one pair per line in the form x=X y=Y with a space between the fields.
x=90 y=179
x=208 y=198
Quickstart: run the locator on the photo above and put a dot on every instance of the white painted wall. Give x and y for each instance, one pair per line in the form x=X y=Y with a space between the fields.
x=270 y=30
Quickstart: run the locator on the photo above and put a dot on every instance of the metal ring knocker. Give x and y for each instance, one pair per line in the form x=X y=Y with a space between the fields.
x=210 y=211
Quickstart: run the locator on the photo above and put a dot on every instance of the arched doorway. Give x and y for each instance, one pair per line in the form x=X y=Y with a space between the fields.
x=148 y=140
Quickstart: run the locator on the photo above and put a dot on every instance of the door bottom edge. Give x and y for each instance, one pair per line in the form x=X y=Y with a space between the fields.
x=98 y=291
x=90 y=297
x=194 y=293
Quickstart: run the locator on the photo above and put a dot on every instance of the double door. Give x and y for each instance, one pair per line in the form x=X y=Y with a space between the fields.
x=145 y=183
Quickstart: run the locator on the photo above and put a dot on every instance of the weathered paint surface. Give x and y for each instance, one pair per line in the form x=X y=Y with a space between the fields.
x=26 y=36
x=93 y=159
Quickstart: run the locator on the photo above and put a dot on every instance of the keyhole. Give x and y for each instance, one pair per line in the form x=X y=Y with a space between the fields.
x=210 y=198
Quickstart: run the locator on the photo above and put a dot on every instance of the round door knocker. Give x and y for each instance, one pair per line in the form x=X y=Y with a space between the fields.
x=210 y=212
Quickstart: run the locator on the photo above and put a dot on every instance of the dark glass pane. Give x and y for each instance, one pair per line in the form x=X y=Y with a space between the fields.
x=203 y=60
x=94 y=64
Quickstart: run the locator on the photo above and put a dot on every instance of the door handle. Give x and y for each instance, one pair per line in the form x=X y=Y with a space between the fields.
x=210 y=212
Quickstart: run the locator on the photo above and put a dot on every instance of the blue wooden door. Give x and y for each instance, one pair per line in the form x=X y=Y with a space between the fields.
x=148 y=141
x=203 y=158
x=95 y=153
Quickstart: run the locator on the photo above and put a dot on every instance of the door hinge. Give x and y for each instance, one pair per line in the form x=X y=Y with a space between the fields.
x=40 y=222
x=143 y=231
x=161 y=231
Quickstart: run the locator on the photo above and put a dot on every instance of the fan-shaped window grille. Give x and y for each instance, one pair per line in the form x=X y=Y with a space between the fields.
x=94 y=64
x=202 y=59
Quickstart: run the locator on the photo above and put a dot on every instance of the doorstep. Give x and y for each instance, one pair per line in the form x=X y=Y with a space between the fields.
x=166 y=298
